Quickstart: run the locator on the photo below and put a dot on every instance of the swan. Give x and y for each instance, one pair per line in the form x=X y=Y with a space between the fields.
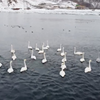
x=25 y=66
x=0 y=64
x=29 y=46
x=64 y=59
x=32 y=56
x=59 y=49
x=62 y=73
x=47 y=45
x=82 y=59
x=77 y=53
x=62 y=53
x=41 y=51
x=98 y=59
x=88 y=69
x=36 y=48
x=10 y=70
x=14 y=56
x=44 y=60
x=63 y=66
x=12 y=50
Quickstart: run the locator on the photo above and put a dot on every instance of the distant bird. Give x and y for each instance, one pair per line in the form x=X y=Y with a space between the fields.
x=78 y=52
x=36 y=48
x=47 y=45
x=44 y=59
x=64 y=59
x=98 y=59
x=62 y=53
x=14 y=56
x=0 y=64
x=59 y=49
x=25 y=66
x=82 y=59
x=62 y=73
x=29 y=46
x=12 y=49
x=63 y=66
x=32 y=56
x=88 y=69
x=41 y=51
x=10 y=70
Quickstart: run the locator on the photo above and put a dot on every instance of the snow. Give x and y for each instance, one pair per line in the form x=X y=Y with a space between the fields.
x=5 y=8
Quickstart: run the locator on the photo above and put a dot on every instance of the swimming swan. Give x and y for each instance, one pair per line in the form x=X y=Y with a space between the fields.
x=88 y=69
x=29 y=46
x=47 y=45
x=10 y=70
x=36 y=48
x=64 y=59
x=12 y=50
x=62 y=53
x=44 y=59
x=59 y=49
x=98 y=59
x=78 y=52
x=32 y=56
x=62 y=73
x=25 y=66
x=63 y=66
x=82 y=59
x=14 y=56
x=41 y=51
x=0 y=64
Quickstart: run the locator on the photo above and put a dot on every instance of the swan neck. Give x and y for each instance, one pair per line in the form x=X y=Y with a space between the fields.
x=32 y=53
x=25 y=63
x=10 y=64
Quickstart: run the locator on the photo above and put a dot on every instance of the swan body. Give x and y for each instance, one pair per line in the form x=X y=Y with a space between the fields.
x=41 y=51
x=88 y=69
x=59 y=49
x=14 y=56
x=36 y=48
x=78 y=52
x=29 y=46
x=62 y=73
x=82 y=59
x=12 y=50
x=64 y=59
x=32 y=56
x=44 y=60
x=10 y=70
x=62 y=53
x=63 y=66
x=25 y=66
x=0 y=64
x=98 y=59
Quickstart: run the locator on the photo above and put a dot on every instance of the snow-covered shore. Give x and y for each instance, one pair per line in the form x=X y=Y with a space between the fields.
x=56 y=11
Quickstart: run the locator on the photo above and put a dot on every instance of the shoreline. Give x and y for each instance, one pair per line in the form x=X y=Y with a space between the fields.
x=56 y=11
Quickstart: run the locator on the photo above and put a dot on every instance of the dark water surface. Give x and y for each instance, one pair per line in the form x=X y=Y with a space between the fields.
x=42 y=81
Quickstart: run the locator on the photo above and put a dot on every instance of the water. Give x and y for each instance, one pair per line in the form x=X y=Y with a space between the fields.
x=42 y=81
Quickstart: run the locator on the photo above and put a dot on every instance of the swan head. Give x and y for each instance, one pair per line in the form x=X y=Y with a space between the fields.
x=90 y=60
x=24 y=59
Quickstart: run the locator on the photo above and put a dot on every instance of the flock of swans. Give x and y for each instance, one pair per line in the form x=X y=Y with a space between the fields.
x=44 y=60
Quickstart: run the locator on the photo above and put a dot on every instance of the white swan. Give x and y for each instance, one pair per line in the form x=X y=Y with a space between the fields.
x=62 y=53
x=47 y=45
x=62 y=73
x=59 y=49
x=78 y=52
x=44 y=60
x=0 y=64
x=10 y=70
x=32 y=56
x=88 y=69
x=41 y=51
x=25 y=66
x=12 y=50
x=29 y=46
x=64 y=59
x=82 y=59
x=98 y=59
x=63 y=66
x=14 y=56
x=36 y=48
